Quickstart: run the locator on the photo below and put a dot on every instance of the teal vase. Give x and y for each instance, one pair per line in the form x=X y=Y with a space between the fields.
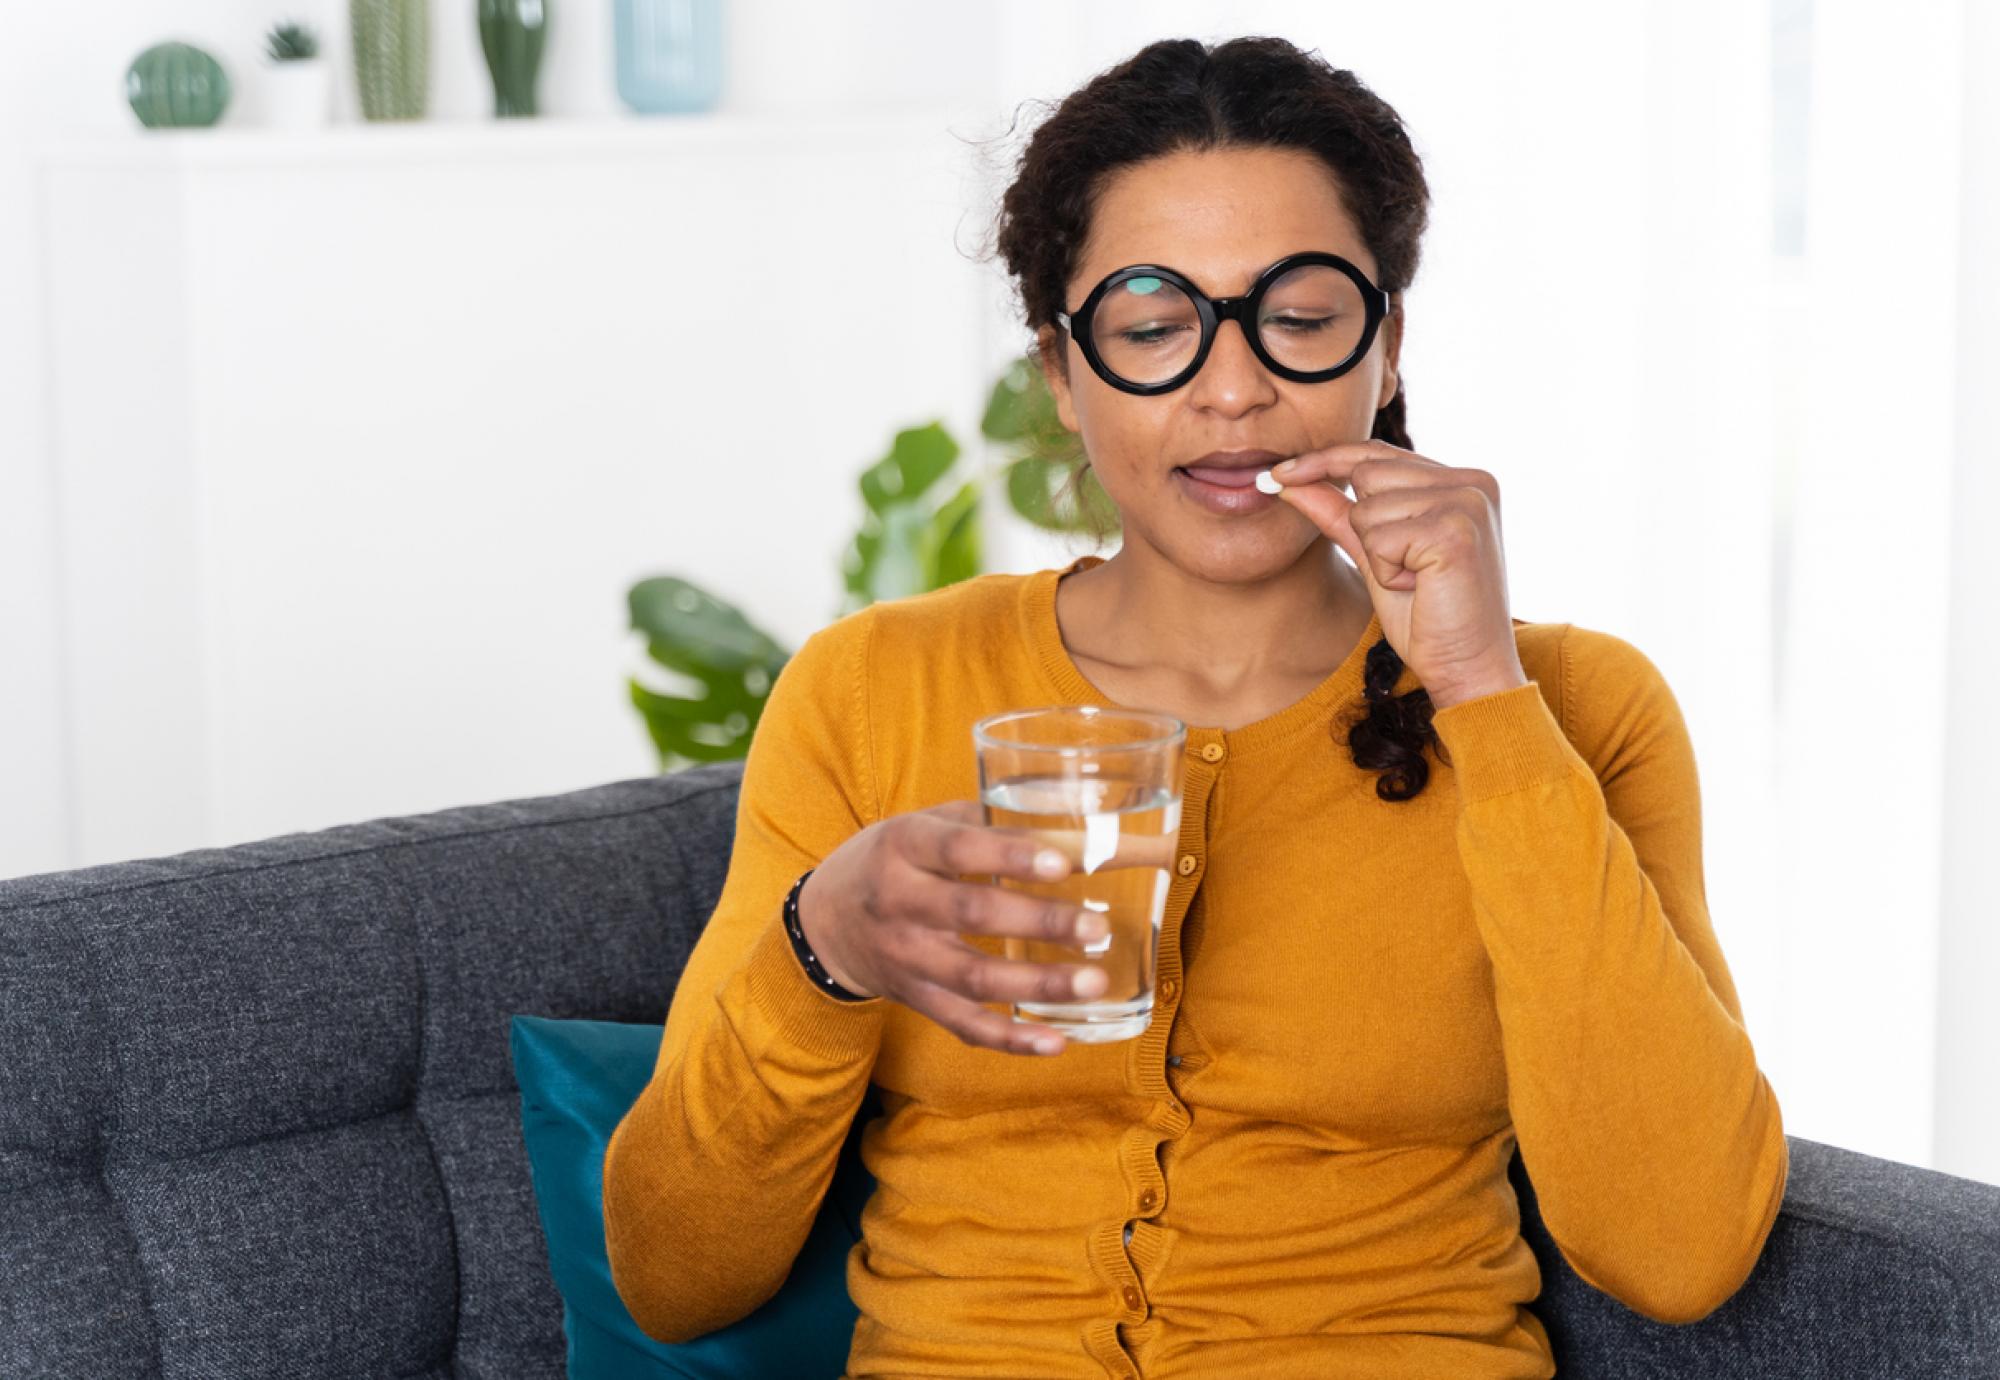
x=670 y=54
x=392 y=57
x=513 y=33
x=176 y=86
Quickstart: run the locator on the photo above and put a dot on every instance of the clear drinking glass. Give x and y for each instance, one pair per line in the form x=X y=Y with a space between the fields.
x=1103 y=786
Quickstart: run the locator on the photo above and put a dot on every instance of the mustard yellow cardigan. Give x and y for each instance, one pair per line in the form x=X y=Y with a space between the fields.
x=1300 y=1168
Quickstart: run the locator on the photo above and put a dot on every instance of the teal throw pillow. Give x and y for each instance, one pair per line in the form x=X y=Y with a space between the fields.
x=577 y=1079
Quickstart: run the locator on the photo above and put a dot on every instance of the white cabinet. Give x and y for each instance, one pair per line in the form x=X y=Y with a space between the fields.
x=361 y=436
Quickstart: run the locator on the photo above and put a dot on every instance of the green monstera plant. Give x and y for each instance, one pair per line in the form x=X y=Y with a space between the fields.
x=910 y=541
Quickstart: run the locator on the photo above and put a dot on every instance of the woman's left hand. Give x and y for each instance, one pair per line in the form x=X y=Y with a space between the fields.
x=1426 y=537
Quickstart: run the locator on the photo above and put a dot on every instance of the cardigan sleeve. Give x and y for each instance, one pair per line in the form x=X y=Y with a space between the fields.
x=713 y=1178
x=1652 y=1137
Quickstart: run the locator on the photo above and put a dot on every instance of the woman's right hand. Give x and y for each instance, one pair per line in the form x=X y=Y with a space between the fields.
x=884 y=910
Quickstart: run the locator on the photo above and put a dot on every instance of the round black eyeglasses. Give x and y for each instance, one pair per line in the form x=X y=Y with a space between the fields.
x=1147 y=329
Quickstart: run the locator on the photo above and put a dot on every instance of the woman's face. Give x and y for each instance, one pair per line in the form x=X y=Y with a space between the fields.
x=1220 y=216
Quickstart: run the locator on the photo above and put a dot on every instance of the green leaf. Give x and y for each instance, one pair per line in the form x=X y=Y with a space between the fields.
x=863 y=556
x=681 y=729
x=1031 y=489
x=734 y=663
x=951 y=539
x=681 y=738
x=916 y=459
x=899 y=562
x=676 y=614
x=1034 y=489
x=1021 y=412
x=1012 y=400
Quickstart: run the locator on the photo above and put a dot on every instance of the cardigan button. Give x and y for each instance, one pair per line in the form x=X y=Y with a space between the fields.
x=1187 y=864
x=1168 y=988
x=1132 y=1299
x=1212 y=752
x=1148 y=1200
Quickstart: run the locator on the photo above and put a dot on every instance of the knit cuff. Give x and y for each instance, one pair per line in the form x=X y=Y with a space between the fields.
x=1504 y=742
x=786 y=1006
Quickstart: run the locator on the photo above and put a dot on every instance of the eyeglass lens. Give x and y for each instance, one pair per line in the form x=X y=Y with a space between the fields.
x=1146 y=330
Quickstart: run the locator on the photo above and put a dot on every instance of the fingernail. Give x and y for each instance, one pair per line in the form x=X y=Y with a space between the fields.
x=1048 y=1044
x=1050 y=863
x=1284 y=467
x=1091 y=925
x=1091 y=982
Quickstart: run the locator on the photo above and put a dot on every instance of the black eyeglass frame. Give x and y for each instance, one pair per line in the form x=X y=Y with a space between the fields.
x=1215 y=310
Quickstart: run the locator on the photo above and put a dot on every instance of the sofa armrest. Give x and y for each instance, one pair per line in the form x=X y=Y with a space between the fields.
x=1874 y=1268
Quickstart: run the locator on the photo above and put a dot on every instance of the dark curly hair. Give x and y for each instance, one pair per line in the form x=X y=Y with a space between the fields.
x=1181 y=94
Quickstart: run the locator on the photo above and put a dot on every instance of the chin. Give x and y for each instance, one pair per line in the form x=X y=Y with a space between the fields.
x=1234 y=558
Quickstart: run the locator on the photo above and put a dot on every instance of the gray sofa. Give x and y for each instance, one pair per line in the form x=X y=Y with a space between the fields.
x=257 y=1117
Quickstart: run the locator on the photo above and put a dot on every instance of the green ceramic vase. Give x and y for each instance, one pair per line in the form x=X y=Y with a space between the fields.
x=176 y=86
x=392 y=57
x=513 y=32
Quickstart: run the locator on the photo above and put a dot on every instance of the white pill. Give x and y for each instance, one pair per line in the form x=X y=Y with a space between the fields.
x=1268 y=482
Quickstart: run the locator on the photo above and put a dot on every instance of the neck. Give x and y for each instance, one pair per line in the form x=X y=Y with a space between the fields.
x=1140 y=610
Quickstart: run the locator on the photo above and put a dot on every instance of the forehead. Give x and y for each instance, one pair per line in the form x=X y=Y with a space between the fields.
x=1218 y=215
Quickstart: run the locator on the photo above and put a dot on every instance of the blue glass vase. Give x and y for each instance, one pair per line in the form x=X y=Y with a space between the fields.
x=670 y=54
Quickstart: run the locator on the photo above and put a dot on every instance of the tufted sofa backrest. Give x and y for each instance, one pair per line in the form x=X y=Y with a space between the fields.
x=257 y=1115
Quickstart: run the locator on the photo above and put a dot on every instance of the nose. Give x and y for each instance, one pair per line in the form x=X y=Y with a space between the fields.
x=1232 y=379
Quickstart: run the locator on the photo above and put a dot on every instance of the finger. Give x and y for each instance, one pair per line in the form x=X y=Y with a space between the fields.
x=958 y=846
x=958 y=811
x=1454 y=508
x=1398 y=550
x=957 y=907
x=1131 y=850
x=1394 y=505
x=979 y=976
x=1364 y=466
x=976 y=1025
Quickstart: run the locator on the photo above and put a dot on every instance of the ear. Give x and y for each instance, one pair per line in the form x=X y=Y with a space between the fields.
x=1052 y=353
x=1392 y=350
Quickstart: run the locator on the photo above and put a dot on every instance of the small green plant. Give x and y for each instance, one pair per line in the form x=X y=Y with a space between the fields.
x=291 y=42
x=909 y=542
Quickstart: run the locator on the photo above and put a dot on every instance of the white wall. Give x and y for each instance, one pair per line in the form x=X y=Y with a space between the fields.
x=1862 y=740
x=364 y=532
x=1691 y=459
x=1968 y=1026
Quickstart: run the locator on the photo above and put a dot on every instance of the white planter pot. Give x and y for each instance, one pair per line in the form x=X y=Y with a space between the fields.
x=298 y=95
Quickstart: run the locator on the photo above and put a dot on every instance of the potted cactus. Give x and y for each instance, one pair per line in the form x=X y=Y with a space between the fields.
x=392 y=57
x=297 y=87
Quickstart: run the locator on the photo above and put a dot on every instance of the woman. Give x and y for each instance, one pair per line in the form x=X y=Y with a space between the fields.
x=1376 y=975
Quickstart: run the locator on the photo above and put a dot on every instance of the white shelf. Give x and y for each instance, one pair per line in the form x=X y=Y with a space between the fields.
x=463 y=140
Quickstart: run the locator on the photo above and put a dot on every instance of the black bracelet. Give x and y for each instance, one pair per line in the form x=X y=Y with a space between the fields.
x=807 y=958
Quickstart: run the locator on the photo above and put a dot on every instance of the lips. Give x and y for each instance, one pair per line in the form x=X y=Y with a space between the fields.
x=1228 y=479
x=1232 y=469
